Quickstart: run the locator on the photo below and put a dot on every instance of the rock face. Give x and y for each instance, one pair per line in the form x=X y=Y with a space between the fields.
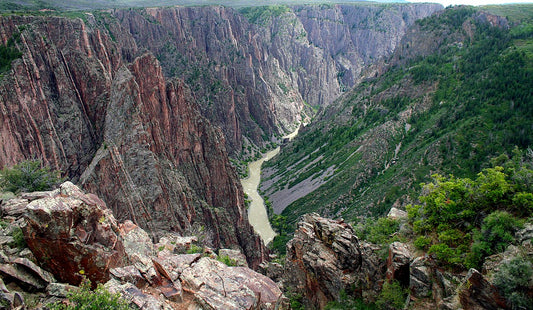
x=398 y=263
x=325 y=257
x=256 y=73
x=123 y=131
x=478 y=293
x=73 y=235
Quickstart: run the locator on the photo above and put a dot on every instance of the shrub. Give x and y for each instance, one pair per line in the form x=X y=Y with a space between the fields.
x=86 y=299
x=28 y=176
x=18 y=238
x=422 y=242
x=498 y=230
x=512 y=279
x=195 y=249
x=227 y=260
x=392 y=296
x=347 y=302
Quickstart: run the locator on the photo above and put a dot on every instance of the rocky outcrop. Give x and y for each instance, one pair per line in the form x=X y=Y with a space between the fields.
x=325 y=257
x=73 y=235
x=398 y=263
x=478 y=293
x=123 y=131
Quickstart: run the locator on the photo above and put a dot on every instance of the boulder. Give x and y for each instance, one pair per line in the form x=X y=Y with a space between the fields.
x=14 y=207
x=128 y=274
x=476 y=293
x=217 y=286
x=175 y=264
x=59 y=289
x=396 y=214
x=73 y=234
x=139 y=250
x=26 y=274
x=273 y=270
x=325 y=258
x=137 y=297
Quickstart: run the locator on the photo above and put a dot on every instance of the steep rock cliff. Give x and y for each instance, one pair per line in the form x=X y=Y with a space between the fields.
x=122 y=131
x=252 y=75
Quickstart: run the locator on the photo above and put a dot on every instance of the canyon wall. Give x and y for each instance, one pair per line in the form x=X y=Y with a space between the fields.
x=257 y=71
x=120 y=130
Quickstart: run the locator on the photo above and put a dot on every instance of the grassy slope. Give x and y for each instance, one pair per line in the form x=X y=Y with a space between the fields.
x=468 y=102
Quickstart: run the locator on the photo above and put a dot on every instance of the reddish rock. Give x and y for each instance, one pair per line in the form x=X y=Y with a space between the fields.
x=477 y=293
x=325 y=258
x=398 y=263
x=217 y=286
x=73 y=235
x=124 y=132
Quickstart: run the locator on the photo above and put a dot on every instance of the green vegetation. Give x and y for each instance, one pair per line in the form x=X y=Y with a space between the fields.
x=460 y=106
x=263 y=14
x=462 y=220
x=195 y=249
x=86 y=299
x=18 y=238
x=29 y=176
x=382 y=231
x=512 y=279
x=392 y=296
x=227 y=260
x=346 y=302
x=8 y=53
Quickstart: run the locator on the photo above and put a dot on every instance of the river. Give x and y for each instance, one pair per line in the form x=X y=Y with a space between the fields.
x=257 y=214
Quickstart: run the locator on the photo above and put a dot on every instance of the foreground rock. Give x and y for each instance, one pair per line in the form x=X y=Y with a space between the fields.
x=325 y=257
x=73 y=235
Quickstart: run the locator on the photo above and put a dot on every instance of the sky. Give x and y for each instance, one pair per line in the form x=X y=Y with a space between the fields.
x=472 y=2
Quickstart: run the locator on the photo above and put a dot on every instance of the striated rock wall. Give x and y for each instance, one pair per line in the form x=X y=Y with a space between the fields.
x=122 y=131
x=253 y=77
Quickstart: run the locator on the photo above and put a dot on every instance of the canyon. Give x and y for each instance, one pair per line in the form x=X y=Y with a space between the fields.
x=155 y=113
x=143 y=107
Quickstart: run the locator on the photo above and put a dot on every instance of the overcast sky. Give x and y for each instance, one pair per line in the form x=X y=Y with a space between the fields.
x=473 y=2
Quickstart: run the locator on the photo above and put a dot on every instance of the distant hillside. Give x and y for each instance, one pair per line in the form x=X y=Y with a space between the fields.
x=103 y=4
x=458 y=92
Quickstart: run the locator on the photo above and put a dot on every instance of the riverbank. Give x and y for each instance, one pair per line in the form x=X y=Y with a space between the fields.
x=257 y=213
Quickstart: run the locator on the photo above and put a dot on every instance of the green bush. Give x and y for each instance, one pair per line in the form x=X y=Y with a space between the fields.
x=86 y=299
x=195 y=249
x=8 y=53
x=392 y=296
x=422 y=242
x=18 y=238
x=346 y=302
x=227 y=260
x=512 y=279
x=451 y=222
x=28 y=176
